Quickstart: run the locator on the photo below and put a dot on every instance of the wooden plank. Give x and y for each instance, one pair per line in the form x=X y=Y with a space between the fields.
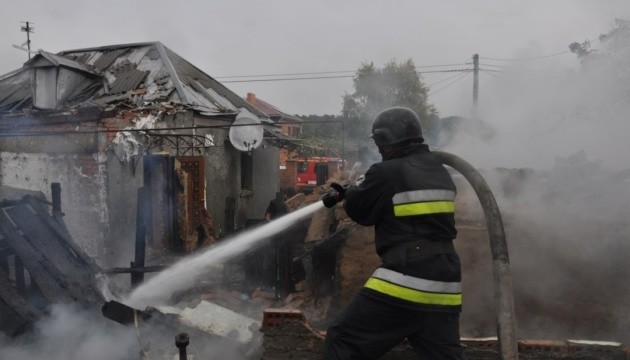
x=51 y=288
x=194 y=166
x=64 y=264
x=57 y=225
x=16 y=302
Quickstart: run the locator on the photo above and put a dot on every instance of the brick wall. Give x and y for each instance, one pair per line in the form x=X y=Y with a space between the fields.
x=87 y=164
x=288 y=176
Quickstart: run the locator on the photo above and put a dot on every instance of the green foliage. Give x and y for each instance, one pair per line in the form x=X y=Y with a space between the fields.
x=606 y=70
x=615 y=46
x=582 y=49
x=595 y=99
x=396 y=84
x=322 y=135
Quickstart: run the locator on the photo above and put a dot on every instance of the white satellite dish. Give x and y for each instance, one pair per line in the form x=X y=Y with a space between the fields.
x=246 y=133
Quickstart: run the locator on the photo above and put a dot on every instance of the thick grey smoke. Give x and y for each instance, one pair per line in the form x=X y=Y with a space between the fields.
x=537 y=113
x=566 y=198
x=72 y=333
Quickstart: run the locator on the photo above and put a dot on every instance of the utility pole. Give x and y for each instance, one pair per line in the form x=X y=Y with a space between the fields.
x=28 y=29
x=475 y=109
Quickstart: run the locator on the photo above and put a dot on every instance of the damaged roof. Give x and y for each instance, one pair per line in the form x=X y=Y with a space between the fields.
x=149 y=70
x=273 y=112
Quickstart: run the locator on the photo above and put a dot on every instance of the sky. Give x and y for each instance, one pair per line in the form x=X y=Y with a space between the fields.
x=244 y=38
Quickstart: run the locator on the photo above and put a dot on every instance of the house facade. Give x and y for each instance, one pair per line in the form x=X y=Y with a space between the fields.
x=290 y=126
x=105 y=122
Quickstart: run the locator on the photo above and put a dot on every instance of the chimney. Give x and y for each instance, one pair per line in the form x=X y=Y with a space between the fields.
x=251 y=98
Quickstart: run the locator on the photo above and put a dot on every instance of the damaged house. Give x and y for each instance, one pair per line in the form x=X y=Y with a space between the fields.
x=106 y=121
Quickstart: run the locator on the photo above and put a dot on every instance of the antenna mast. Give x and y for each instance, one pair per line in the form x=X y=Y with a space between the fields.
x=28 y=29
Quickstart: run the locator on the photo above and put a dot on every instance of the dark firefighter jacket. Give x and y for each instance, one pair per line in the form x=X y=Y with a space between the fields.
x=408 y=197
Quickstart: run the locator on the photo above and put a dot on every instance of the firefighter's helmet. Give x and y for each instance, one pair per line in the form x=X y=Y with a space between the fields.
x=395 y=125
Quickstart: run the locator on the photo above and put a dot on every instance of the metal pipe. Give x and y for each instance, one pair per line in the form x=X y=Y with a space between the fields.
x=506 y=321
x=122 y=313
x=138 y=276
x=181 y=341
x=55 y=189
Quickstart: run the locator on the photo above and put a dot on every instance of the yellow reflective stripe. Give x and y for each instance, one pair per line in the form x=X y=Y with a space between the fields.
x=412 y=295
x=424 y=208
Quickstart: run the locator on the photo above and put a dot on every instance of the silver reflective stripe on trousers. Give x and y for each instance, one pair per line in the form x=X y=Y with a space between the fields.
x=417 y=283
x=423 y=195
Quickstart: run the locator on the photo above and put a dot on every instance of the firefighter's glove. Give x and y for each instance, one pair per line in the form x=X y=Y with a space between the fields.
x=334 y=195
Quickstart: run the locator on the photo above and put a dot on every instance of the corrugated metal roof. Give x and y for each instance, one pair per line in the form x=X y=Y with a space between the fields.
x=14 y=89
x=183 y=67
x=107 y=58
x=165 y=76
x=126 y=81
x=273 y=112
x=62 y=61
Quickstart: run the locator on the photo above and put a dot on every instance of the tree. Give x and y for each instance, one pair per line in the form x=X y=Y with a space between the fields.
x=582 y=49
x=615 y=46
x=605 y=70
x=322 y=135
x=396 y=84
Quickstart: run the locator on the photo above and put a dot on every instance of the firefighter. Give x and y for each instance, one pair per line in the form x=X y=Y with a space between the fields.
x=416 y=292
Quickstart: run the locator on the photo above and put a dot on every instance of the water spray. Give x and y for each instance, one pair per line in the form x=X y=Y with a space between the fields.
x=185 y=272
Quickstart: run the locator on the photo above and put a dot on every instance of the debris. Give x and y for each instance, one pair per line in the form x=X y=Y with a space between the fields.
x=46 y=265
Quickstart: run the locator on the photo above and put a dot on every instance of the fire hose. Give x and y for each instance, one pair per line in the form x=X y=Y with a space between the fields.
x=506 y=321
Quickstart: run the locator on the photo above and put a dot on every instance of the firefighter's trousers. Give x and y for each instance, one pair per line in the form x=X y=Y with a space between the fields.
x=369 y=328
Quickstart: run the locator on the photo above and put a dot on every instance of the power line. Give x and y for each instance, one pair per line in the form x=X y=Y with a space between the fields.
x=286 y=74
x=449 y=84
x=537 y=57
x=509 y=67
x=429 y=66
x=443 y=80
x=516 y=70
x=325 y=72
x=512 y=72
x=289 y=79
x=334 y=77
x=527 y=59
x=494 y=75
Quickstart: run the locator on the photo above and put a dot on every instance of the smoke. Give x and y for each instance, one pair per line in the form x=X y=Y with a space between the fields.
x=566 y=200
x=537 y=113
x=70 y=332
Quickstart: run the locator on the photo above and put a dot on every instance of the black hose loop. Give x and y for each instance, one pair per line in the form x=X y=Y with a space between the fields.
x=506 y=321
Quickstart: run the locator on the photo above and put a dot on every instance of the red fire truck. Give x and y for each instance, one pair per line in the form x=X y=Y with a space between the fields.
x=314 y=171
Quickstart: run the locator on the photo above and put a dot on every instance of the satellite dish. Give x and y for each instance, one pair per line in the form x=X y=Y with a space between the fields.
x=246 y=133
